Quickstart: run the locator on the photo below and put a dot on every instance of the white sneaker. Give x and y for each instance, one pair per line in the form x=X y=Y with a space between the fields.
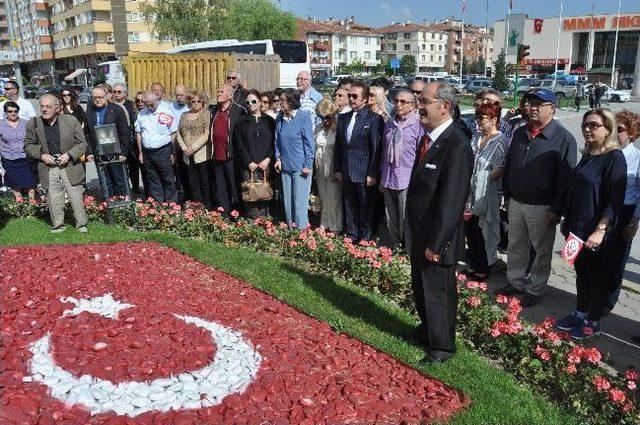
x=82 y=229
x=59 y=229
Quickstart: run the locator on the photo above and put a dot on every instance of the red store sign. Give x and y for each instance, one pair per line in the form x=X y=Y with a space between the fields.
x=561 y=61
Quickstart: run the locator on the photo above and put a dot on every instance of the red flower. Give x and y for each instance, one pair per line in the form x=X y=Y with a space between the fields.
x=602 y=383
x=235 y=214
x=631 y=375
x=502 y=299
x=575 y=355
x=376 y=264
x=592 y=355
x=474 y=301
x=543 y=353
x=293 y=244
x=472 y=284
x=617 y=396
x=571 y=369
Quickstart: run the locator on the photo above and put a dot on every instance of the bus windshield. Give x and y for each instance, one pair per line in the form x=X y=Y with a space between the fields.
x=253 y=49
x=290 y=51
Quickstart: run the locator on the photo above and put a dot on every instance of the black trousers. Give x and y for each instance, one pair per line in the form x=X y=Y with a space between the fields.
x=115 y=180
x=436 y=299
x=226 y=192
x=181 y=171
x=476 y=252
x=159 y=169
x=593 y=280
x=358 y=210
x=136 y=169
x=201 y=182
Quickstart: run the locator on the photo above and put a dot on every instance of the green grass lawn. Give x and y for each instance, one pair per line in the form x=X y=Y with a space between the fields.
x=496 y=397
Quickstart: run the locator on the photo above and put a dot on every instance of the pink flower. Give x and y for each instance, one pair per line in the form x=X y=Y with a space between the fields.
x=495 y=331
x=631 y=385
x=376 y=264
x=502 y=299
x=592 y=355
x=548 y=323
x=293 y=244
x=571 y=369
x=482 y=286
x=472 y=284
x=575 y=355
x=311 y=243
x=631 y=375
x=220 y=210
x=235 y=214
x=617 y=396
x=588 y=331
x=474 y=301
x=601 y=383
x=543 y=353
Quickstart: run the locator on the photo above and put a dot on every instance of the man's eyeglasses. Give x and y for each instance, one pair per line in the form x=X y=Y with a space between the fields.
x=230 y=77
x=402 y=101
x=429 y=101
x=416 y=92
x=11 y=88
x=118 y=91
x=538 y=105
x=353 y=96
x=12 y=111
x=252 y=102
x=139 y=100
x=303 y=79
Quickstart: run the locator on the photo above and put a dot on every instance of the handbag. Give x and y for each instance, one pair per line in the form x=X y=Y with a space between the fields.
x=254 y=190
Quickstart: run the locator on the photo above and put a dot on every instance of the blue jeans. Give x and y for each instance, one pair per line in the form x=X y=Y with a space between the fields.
x=295 y=191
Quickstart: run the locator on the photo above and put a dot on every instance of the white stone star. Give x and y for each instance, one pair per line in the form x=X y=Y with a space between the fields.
x=104 y=305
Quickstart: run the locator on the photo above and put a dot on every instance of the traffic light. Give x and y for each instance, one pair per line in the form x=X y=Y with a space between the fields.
x=523 y=52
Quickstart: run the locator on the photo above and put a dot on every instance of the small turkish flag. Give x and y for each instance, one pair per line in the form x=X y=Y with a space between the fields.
x=537 y=25
x=572 y=247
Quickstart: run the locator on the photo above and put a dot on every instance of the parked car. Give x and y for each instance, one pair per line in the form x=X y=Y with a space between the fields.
x=335 y=79
x=30 y=92
x=526 y=84
x=611 y=95
x=85 y=95
x=318 y=81
x=478 y=84
x=428 y=78
x=559 y=87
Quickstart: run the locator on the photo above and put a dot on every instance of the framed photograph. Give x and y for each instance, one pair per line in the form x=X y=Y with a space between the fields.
x=107 y=139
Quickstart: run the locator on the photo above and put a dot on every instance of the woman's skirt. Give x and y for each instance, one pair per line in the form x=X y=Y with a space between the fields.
x=19 y=174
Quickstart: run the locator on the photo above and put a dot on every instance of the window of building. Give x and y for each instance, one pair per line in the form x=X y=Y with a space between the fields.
x=439 y=47
x=134 y=37
x=423 y=58
x=433 y=36
x=407 y=35
x=439 y=58
x=392 y=46
x=433 y=47
x=440 y=36
x=407 y=47
x=367 y=40
x=431 y=58
x=424 y=47
x=133 y=17
x=353 y=54
x=367 y=55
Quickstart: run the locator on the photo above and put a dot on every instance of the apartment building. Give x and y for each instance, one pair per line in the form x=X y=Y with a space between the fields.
x=477 y=43
x=428 y=46
x=86 y=32
x=333 y=43
x=28 y=32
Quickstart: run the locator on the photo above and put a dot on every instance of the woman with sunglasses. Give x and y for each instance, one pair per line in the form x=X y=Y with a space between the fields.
x=628 y=127
x=18 y=174
x=482 y=224
x=138 y=101
x=70 y=105
x=592 y=211
x=267 y=105
x=193 y=138
x=254 y=137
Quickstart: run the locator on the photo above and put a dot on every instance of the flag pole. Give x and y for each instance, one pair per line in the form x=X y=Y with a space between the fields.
x=555 y=73
x=462 y=47
x=615 y=47
x=506 y=33
x=486 y=40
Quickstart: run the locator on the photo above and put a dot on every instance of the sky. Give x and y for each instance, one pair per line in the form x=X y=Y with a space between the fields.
x=377 y=13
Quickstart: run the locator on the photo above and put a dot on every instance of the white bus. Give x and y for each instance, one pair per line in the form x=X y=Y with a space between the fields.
x=293 y=54
x=111 y=72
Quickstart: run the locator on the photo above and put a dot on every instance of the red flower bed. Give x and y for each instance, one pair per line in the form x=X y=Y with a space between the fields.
x=307 y=373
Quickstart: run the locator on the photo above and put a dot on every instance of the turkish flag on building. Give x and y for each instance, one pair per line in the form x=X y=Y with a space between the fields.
x=537 y=25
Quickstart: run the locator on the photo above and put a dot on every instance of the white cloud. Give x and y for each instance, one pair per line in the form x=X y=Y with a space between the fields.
x=396 y=14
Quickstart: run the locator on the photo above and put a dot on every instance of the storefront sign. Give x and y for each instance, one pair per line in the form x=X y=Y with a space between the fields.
x=561 y=61
x=600 y=23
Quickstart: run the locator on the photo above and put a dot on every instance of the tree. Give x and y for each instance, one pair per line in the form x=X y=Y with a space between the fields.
x=190 y=21
x=356 y=66
x=408 y=64
x=500 y=81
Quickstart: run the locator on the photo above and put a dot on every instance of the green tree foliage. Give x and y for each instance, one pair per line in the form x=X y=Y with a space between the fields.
x=408 y=64
x=189 y=21
x=500 y=81
x=357 y=66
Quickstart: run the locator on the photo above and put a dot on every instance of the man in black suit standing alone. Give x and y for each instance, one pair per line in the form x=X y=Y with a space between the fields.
x=436 y=198
x=357 y=162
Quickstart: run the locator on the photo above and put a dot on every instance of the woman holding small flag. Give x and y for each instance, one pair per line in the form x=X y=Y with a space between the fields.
x=593 y=204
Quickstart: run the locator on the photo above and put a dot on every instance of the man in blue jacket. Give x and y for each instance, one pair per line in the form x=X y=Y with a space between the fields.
x=357 y=162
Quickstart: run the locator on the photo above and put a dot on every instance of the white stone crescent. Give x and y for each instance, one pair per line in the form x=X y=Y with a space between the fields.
x=234 y=367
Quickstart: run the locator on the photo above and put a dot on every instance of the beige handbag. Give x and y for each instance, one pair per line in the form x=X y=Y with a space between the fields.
x=254 y=190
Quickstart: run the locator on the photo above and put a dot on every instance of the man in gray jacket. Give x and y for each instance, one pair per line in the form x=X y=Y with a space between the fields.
x=57 y=142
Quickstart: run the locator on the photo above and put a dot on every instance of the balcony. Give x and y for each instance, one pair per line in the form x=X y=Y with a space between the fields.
x=320 y=46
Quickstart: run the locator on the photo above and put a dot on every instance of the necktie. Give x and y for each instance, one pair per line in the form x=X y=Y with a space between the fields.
x=425 y=142
x=535 y=131
x=350 y=127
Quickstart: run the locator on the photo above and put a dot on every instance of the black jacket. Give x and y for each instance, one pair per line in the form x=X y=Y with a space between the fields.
x=359 y=157
x=254 y=140
x=537 y=171
x=113 y=115
x=236 y=112
x=436 y=197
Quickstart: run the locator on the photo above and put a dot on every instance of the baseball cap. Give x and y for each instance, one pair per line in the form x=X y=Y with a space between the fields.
x=544 y=94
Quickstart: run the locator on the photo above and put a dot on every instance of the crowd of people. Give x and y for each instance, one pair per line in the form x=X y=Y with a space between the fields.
x=448 y=188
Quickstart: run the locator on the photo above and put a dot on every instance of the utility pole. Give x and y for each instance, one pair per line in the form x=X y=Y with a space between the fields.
x=635 y=91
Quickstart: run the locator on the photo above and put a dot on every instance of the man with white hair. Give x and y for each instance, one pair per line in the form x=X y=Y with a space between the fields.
x=239 y=92
x=309 y=97
x=56 y=141
x=156 y=126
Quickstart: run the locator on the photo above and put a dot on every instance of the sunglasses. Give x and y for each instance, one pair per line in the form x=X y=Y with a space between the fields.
x=591 y=125
x=402 y=101
x=118 y=91
x=339 y=95
x=139 y=100
x=622 y=129
x=353 y=96
x=11 y=88
x=416 y=92
x=12 y=111
x=196 y=101
x=252 y=102
x=66 y=94
x=232 y=78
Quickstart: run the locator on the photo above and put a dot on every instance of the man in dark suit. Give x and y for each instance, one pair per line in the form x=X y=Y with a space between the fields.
x=101 y=112
x=436 y=197
x=357 y=160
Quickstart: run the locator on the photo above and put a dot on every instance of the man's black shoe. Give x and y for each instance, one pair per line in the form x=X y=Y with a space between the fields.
x=435 y=356
x=507 y=290
x=635 y=339
x=419 y=336
x=528 y=300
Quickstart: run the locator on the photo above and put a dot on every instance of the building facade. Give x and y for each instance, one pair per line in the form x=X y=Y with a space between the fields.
x=420 y=41
x=584 y=42
x=477 y=43
x=334 y=43
x=29 y=33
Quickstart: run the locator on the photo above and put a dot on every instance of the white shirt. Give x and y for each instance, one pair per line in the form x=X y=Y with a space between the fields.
x=436 y=132
x=632 y=193
x=288 y=118
x=156 y=128
x=26 y=109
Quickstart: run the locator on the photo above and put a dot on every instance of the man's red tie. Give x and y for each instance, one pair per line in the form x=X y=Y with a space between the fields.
x=424 y=147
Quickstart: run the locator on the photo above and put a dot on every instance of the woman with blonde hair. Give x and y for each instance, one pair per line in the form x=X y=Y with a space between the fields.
x=193 y=138
x=593 y=205
x=330 y=190
x=378 y=102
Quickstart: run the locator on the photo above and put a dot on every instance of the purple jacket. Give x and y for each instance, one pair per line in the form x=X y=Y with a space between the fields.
x=400 y=143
